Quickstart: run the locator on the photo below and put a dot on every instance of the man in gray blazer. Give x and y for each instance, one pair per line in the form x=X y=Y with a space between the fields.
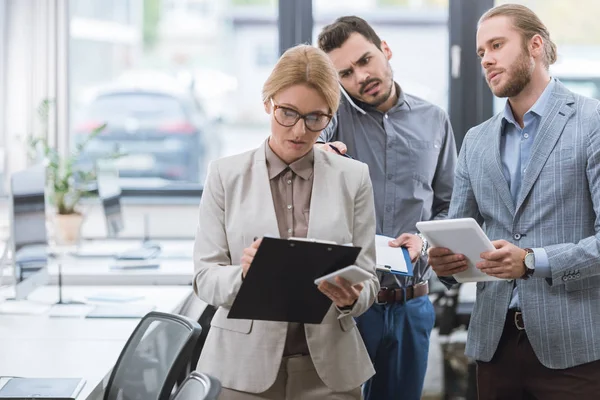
x=531 y=176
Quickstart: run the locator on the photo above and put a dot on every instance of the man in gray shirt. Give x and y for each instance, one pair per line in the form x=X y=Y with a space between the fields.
x=409 y=147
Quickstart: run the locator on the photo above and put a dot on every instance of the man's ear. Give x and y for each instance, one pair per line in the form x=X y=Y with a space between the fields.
x=536 y=47
x=267 y=105
x=385 y=49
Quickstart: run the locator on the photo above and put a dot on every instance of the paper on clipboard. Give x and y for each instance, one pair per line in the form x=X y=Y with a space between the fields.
x=394 y=259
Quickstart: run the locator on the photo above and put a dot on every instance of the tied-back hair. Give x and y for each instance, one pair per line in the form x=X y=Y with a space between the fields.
x=528 y=24
x=334 y=35
x=304 y=65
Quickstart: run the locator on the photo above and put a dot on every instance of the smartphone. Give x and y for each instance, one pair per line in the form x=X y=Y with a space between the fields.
x=352 y=274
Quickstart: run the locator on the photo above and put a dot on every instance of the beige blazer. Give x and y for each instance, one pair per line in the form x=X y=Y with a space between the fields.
x=237 y=206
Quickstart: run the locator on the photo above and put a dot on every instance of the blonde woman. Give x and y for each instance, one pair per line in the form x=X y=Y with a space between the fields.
x=288 y=187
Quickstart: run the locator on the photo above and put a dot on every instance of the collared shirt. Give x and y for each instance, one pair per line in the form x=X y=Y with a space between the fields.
x=411 y=154
x=515 y=152
x=291 y=188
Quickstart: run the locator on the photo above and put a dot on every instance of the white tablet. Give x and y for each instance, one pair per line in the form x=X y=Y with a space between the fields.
x=462 y=236
x=352 y=274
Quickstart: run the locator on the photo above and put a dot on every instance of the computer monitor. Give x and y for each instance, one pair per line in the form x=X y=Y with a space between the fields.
x=29 y=243
x=109 y=191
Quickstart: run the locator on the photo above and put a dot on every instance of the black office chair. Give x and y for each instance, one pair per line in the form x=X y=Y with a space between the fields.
x=157 y=351
x=198 y=386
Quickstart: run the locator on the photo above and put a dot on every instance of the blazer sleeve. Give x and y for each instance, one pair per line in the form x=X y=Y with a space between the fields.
x=582 y=258
x=216 y=280
x=363 y=235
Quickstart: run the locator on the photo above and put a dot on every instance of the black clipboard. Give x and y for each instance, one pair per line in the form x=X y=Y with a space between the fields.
x=279 y=286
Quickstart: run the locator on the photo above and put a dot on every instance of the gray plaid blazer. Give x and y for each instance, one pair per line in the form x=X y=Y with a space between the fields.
x=558 y=209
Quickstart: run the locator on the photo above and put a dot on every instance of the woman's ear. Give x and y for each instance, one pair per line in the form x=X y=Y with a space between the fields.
x=267 y=105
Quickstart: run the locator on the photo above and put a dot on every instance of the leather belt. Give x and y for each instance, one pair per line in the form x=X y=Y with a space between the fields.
x=402 y=295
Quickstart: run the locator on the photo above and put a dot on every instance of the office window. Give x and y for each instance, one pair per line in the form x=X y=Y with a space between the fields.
x=417 y=33
x=576 y=32
x=106 y=10
x=178 y=84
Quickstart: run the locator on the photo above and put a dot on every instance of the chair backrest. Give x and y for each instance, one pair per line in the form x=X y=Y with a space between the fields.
x=198 y=386
x=157 y=350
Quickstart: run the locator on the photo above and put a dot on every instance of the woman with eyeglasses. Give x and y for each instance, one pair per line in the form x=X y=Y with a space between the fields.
x=290 y=188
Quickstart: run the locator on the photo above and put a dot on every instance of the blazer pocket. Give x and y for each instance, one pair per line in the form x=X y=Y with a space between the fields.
x=221 y=321
x=592 y=282
x=347 y=323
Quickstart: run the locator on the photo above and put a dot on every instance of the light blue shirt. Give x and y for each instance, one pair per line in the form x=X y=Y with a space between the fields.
x=515 y=151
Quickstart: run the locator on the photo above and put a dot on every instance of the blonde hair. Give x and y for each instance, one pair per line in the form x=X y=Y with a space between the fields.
x=528 y=24
x=308 y=65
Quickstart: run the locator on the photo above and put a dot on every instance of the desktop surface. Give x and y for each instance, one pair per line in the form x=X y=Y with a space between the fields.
x=46 y=347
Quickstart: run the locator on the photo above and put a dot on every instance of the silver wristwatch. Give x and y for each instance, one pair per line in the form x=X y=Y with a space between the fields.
x=425 y=244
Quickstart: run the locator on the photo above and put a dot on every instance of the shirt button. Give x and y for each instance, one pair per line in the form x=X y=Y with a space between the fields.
x=517 y=236
x=388 y=208
x=390 y=176
x=386 y=116
x=289 y=207
x=290 y=230
x=526 y=136
x=289 y=182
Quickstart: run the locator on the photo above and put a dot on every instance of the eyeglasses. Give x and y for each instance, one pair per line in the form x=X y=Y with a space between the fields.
x=287 y=117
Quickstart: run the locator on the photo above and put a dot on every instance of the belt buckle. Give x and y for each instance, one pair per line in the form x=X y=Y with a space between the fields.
x=382 y=289
x=517 y=315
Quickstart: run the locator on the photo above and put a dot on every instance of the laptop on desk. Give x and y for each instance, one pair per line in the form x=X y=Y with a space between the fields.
x=42 y=388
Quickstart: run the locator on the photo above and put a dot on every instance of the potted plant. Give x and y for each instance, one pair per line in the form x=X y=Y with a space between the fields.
x=67 y=183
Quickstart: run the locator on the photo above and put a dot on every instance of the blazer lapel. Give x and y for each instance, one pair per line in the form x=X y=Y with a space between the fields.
x=493 y=163
x=551 y=127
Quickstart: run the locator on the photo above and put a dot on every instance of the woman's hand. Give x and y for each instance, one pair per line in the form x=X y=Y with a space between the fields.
x=249 y=253
x=342 y=295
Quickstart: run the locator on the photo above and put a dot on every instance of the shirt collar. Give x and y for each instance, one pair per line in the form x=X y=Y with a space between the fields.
x=302 y=167
x=540 y=107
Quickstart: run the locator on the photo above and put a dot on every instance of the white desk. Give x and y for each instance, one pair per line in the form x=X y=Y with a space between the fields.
x=43 y=346
x=80 y=271
x=175 y=259
x=174 y=269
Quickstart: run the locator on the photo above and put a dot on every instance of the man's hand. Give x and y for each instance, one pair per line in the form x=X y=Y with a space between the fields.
x=338 y=145
x=505 y=262
x=445 y=263
x=344 y=294
x=412 y=242
x=248 y=256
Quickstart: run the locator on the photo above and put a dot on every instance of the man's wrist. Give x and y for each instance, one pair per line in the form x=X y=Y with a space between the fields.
x=528 y=263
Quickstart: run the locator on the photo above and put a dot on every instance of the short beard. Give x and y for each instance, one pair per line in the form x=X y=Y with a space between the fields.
x=384 y=97
x=519 y=79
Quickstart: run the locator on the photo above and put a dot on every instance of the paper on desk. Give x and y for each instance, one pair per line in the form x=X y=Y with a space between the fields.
x=392 y=257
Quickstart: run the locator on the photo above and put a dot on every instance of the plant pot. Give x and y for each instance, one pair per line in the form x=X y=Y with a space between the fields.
x=67 y=228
